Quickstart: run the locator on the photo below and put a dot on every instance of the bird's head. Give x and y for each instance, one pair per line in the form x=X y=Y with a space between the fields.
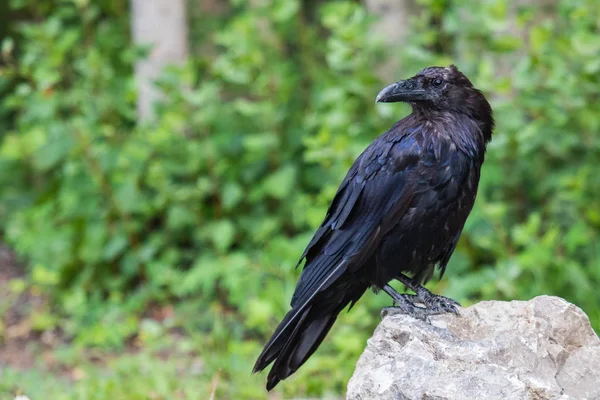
x=443 y=89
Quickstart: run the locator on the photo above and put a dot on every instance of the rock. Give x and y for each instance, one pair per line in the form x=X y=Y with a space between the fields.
x=540 y=349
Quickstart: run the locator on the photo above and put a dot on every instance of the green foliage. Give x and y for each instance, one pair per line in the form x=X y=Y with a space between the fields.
x=211 y=204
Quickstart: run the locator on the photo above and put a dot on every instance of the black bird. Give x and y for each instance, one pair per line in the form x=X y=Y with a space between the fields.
x=398 y=213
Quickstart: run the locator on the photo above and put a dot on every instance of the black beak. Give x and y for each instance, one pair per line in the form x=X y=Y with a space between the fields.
x=407 y=91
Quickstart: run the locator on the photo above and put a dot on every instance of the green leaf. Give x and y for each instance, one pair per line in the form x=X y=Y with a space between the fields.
x=8 y=44
x=280 y=183
x=221 y=234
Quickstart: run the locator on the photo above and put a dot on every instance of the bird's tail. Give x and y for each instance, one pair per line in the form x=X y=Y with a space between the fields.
x=302 y=331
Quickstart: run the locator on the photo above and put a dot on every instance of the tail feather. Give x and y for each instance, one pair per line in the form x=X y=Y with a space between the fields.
x=286 y=328
x=310 y=339
x=299 y=348
x=302 y=331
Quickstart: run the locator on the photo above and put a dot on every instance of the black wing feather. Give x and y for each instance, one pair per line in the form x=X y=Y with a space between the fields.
x=368 y=203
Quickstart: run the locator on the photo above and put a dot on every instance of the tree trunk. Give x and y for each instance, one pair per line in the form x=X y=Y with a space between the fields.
x=162 y=24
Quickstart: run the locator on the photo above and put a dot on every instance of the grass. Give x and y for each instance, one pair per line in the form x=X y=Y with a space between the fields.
x=174 y=352
x=167 y=358
x=134 y=377
x=163 y=368
x=160 y=362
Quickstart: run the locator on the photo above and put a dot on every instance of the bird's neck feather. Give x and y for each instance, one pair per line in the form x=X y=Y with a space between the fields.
x=461 y=129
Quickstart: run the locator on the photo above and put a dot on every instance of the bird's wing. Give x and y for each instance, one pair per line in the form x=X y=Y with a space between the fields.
x=374 y=195
x=370 y=201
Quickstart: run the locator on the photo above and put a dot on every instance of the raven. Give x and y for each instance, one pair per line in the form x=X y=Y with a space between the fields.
x=398 y=213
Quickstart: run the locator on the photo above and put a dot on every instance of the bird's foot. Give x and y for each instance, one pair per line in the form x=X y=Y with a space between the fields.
x=407 y=303
x=434 y=302
x=440 y=304
x=404 y=306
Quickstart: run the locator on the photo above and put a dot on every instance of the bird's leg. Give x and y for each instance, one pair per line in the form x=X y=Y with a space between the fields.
x=405 y=306
x=432 y=301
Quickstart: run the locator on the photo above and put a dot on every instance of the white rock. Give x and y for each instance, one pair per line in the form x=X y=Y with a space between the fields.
x=544 y=348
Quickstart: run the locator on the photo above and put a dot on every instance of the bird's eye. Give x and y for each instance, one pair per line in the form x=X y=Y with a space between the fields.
x=437 y=82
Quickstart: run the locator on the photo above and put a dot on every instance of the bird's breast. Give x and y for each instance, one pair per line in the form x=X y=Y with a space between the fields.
x=445 y=194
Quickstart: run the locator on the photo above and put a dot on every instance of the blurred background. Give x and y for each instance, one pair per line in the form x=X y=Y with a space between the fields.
x=148 y=252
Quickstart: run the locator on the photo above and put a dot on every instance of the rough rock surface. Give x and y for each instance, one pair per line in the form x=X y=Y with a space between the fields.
x=544 y=348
